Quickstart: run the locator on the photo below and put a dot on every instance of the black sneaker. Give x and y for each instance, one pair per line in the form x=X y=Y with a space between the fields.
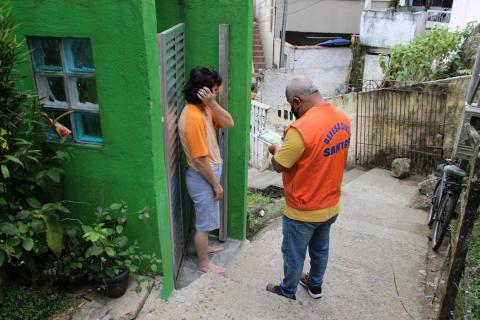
x=314 y=292
x=276 y=289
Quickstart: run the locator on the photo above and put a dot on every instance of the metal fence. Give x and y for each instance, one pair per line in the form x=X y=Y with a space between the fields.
x=258 y=148
x=401 y=123
x=438 y=18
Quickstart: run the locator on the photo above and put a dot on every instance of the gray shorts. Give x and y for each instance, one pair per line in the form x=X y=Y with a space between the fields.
x=207 y=209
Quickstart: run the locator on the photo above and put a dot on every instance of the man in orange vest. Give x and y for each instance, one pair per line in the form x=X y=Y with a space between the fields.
x=312 y=160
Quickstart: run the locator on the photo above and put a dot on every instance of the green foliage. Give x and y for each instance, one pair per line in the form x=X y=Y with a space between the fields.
x=473 y=263
x=109 y=251
x=29 y=224
x=257 y=199
x=434 y=56
x=21 y=303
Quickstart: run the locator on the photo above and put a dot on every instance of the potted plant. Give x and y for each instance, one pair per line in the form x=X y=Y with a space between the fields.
x=70 y=269
x=110 y=255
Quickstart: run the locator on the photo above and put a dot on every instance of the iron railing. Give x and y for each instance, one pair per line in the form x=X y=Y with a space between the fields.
x=438 y=18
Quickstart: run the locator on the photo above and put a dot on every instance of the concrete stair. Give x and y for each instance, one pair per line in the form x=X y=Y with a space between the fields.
x=258 y=55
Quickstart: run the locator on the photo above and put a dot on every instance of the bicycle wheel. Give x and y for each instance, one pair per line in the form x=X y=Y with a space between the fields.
x=442 y=221
x=435 y=204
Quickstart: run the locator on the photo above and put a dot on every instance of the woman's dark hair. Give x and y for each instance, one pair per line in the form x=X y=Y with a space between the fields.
x=253 y=87
x=200 y=77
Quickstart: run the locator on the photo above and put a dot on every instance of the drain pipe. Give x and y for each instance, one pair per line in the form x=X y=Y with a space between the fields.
x=284 y=27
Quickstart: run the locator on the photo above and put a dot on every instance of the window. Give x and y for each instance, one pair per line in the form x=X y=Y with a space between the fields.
x=65 y=78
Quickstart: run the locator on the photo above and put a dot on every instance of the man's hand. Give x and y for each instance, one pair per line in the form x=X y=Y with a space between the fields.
x=218 y=192
x=207 y=96
x=273 y=149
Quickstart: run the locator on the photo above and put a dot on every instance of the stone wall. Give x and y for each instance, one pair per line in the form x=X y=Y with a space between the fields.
x=384 y=29
x=279 y=116
x=329 y=69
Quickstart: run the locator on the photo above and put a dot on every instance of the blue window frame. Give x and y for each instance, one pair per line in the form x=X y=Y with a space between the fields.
x=65 y=79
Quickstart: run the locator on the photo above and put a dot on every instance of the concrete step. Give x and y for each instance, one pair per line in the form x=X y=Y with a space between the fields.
x=261 y=180
x=189 y=273
x=258 y=60
x=96 y=305
x=352 y=174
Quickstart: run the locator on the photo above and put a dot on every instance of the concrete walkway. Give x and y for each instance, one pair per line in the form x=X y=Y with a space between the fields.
x=377 y=262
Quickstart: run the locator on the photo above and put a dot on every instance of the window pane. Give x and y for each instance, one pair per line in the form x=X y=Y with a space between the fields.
x=84 y=93
x=87 y=90
x=46 y=53
x=79 y=55
x=51 y=90
x=91 y=124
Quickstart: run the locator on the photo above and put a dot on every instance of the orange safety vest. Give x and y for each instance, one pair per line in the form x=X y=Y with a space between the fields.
x=314 y=181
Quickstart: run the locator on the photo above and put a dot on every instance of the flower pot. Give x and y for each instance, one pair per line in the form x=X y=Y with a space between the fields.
x=116 y=287
x=76 y=284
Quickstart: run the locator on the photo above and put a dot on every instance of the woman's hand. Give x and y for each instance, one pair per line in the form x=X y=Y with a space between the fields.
x=207 y=96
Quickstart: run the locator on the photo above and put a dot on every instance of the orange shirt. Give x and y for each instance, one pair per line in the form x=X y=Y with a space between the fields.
x=196 y=129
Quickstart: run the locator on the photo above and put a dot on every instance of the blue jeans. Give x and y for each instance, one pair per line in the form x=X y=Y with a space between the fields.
x=297 y=236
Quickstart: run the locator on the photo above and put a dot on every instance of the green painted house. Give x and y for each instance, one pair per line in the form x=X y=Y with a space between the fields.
x=120 y=66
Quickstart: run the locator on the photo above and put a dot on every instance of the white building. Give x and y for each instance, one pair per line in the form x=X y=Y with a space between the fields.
x=464 y=11
x=308 y=22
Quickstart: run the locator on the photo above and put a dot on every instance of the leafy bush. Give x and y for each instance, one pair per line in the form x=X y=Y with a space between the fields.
x=29 y=223
x=434 y=56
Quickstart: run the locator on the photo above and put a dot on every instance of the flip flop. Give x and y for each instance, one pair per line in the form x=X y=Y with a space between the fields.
x=218 y=250
x=207 y=271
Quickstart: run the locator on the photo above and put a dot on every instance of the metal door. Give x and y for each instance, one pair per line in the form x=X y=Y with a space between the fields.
x=171 y=48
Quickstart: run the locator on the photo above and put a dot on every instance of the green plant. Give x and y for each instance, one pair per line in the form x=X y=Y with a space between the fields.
x=21 y=303
x=29 y=170
x=434 y=56
x=71 y=265
x=473 y=265
x=109 y=251
x=257 y=199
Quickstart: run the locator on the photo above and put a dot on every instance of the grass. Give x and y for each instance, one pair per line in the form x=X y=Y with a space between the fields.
x=255 y=199
x=473 y=261
x=21 y=303
x=272 y=209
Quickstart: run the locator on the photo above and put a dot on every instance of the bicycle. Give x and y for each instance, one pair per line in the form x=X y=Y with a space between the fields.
x=444 y=201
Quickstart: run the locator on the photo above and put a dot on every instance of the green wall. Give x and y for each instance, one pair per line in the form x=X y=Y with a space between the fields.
x=202 y=18
x=129 y=165
x=168 y=14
